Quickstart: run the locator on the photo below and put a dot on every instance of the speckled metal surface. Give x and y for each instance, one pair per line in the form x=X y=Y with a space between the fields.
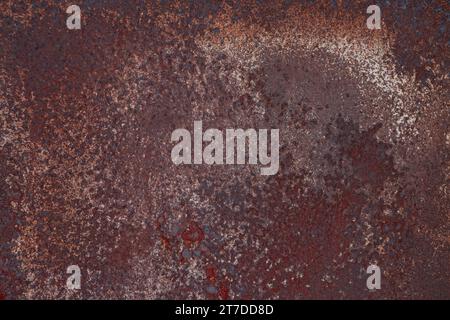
x=87 y=179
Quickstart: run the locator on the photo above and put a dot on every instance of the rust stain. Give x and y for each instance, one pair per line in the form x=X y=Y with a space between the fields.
x=87 y=179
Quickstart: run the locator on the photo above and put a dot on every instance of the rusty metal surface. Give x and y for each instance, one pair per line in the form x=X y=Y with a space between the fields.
x=87 y=179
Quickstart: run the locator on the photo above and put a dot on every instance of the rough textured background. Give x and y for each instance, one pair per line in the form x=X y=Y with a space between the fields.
x=87 y=178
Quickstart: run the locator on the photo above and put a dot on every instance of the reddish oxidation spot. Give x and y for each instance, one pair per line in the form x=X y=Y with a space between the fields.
x=211 y=273
x=166 y=242
x=192 y=234
x=223 y=291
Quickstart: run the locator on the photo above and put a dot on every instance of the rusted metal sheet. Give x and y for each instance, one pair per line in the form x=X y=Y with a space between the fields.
x=87 y=177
